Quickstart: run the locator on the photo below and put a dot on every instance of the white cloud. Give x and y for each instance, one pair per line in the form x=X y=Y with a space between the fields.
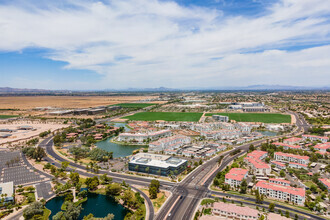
x=149 y=43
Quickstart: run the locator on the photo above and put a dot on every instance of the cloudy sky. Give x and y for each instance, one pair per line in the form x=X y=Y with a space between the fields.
x=116 y=44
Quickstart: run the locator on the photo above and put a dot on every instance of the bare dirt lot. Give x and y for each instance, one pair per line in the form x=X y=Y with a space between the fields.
x=18 y=135
x=30 y=102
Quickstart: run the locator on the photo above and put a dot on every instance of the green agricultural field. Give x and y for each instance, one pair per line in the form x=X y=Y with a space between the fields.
x=7 y=116
x=256 y=117
x=134 y=105
x=166 y=116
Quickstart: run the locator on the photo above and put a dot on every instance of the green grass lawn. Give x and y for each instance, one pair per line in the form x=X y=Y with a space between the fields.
x=7 y=116
x=134 y=105
x=256 y=117
x=166 y=116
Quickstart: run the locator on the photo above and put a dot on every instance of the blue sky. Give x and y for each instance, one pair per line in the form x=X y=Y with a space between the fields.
x=152 y=43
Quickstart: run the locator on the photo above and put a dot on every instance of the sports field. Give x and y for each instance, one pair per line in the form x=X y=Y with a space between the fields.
x=134 y=105
x=7 y=116
x=256 y=117
x=166 y=116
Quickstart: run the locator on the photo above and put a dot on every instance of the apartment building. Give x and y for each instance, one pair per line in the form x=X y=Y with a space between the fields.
x=173 y=142
x=140 y=137
x=292 y=141
x=235 y=176
x=325 y=182
x=280 y=156
x=298 y=165
x=221 y=134
x=287 y=146
x=278 y=164
x=322 y=147
x=255 y=163
x=281 y=192
x=315 y=138
x=279 y=181
x=232 y=211
x=221 y=118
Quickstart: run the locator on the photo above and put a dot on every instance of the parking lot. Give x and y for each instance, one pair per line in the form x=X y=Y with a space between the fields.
x=20 y=175
x=44 y=190
x=19 y=171
x=7 y=156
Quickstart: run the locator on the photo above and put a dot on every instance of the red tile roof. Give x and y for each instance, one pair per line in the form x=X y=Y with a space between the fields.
x=293 y=139
x=236 y=174
x=254 y=159
x=325 y=182
x=299 y=164
x=315 y=136
x=279 y=180
x=281 y=188
x=287 y=145
x=232 y=208
x=292 y=155
x=278 y=163
x=323 y=146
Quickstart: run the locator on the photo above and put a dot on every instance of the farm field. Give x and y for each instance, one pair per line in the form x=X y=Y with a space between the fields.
x=7 y=116
x=256 y=117
x=166 y=116
x=134 y=105
x=29 y=102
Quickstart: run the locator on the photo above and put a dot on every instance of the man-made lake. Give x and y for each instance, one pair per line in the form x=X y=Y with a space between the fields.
x=97 y=204
x=267 y=133
x=117 y=149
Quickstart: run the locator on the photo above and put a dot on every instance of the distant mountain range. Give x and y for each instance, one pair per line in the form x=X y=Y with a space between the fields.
x=8 y=90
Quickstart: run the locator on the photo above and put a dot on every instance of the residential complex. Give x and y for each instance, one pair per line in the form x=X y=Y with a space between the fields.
x=315 y=138
x=287 y=146
x=325 y=182
x=232 y=211
x=140 y=137
x=254 y=161
x=235 y=176
x=322 y=148
x=281 y=192
x=293 y=140
x=173 y=142
x=280 y=156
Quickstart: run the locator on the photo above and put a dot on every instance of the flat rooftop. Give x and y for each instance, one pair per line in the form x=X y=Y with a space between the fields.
x=7 y=188
x=156 y=160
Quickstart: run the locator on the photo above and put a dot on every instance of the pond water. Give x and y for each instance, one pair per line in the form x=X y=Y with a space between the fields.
x=267 y=133
x=117 y=149
x=97 y=204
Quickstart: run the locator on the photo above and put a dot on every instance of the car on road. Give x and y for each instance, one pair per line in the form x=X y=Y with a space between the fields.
x=169 y=215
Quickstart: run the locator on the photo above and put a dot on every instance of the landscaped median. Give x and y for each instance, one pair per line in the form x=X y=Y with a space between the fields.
x=159 y=201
